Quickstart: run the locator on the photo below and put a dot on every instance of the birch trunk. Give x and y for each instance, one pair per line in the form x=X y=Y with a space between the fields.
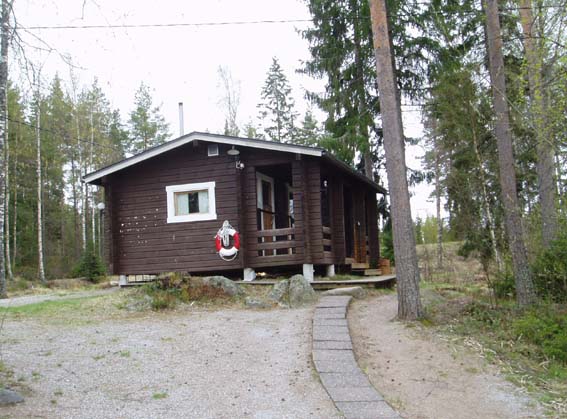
x=544 y=144
x=525 y=291
x=15 y=206
x=409 y=303
x=4 y=28
x=8 y=260
x=41 y=269
x=91 y=167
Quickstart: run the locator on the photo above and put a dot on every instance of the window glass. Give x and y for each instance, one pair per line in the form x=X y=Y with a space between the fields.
x=181 y=204
x=192 y=202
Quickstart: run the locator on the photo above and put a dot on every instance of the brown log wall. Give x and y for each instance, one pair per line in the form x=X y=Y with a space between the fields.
x=142 y=240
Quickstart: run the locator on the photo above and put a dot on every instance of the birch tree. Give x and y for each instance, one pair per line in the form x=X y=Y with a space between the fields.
x=409 y=303
x=37 y=105
x=4 y=37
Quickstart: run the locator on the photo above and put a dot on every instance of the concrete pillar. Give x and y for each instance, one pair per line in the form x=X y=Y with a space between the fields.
x=330 y=271
x=249 y=274
x=308 y=271
x=123 y=281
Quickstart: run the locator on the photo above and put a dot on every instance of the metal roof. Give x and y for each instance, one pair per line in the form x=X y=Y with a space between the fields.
x=225 y=139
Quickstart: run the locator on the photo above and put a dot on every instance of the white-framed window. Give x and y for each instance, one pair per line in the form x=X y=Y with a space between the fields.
x=213 y=150
x=191 y=202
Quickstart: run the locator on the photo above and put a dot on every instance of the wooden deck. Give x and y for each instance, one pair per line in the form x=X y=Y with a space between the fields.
x=371 y=281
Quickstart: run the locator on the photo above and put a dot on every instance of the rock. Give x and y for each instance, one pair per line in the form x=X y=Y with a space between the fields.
x=8 y=397
x=356 y=292
x=228 y=286
x=251 y=302
x=300 y=291
x=280 y=292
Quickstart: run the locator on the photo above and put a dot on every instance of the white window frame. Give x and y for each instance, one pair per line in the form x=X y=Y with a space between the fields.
x=212 y=150
x=188 y=188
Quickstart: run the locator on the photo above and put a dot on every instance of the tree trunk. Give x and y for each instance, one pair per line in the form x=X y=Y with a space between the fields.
x=8 y=260
x=4 y=28
x=525 y=291
x=409 y=304
x=91 y=196
x=41 y=269
x=485 y=202
x=15 y=206
x=438 y=197
x=544 y=144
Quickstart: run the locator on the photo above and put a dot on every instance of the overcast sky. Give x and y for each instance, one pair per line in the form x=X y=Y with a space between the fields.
x=180 y=63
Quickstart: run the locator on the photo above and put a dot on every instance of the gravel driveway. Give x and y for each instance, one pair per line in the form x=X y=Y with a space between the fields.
x=219 y=364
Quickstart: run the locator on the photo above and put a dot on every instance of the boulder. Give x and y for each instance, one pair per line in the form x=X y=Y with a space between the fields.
x=356 y=292
x=9 y=397
x=300 y=291
x=251 y=302
x=280 y=292
x=228 y=286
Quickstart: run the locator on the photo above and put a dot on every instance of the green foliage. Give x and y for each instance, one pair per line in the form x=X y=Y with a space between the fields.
x=503 y=286
x=277 y=109
x=387 y=245
x=90 y=266
x=545 y=328
x=418 y=227
x=173 y=288
x=147 y=126
x=550 y=270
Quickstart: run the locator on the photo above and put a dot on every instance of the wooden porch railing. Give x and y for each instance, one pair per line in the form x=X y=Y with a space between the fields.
x=275 y=242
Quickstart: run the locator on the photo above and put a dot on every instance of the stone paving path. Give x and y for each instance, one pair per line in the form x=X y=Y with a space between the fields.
x=334 y=360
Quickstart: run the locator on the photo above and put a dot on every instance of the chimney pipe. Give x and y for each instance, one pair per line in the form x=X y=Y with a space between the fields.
x=181 y=128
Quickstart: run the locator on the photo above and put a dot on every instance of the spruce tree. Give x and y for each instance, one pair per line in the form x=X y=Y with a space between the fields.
x=147 y=126
x=277 y=114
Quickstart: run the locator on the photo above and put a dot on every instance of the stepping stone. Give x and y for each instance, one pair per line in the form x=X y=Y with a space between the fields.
x=356 y=292
x=351 y=380
x=367 y=410
x=333 y=355
x=336 y=366
x=332 y=344
x=9 y=397
x=354 y=394
x=338 y=301
x=330 y=322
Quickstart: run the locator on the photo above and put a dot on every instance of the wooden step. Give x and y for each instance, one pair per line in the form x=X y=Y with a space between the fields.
x=359 y=266
x=372 y=272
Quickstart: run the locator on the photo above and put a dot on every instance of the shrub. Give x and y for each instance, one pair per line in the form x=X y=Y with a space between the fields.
x=547 y=329
x=503 y=285
x=550 y=270
x=173 y=287
x=90 y=266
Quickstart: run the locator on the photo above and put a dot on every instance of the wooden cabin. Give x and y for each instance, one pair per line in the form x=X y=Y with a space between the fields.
x=294 y=207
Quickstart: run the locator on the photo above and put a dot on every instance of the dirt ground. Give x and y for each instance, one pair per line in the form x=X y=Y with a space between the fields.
x=426 y=378
x=184 y=364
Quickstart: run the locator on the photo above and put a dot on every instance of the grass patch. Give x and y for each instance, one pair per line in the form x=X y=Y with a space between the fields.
x=159 y=396
x=49 y=307
x=530 y=346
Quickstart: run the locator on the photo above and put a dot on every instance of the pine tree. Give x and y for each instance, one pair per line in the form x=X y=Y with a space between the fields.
x=409 y=303
x=147 y=126
x=277 y=114
x=525 y=290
